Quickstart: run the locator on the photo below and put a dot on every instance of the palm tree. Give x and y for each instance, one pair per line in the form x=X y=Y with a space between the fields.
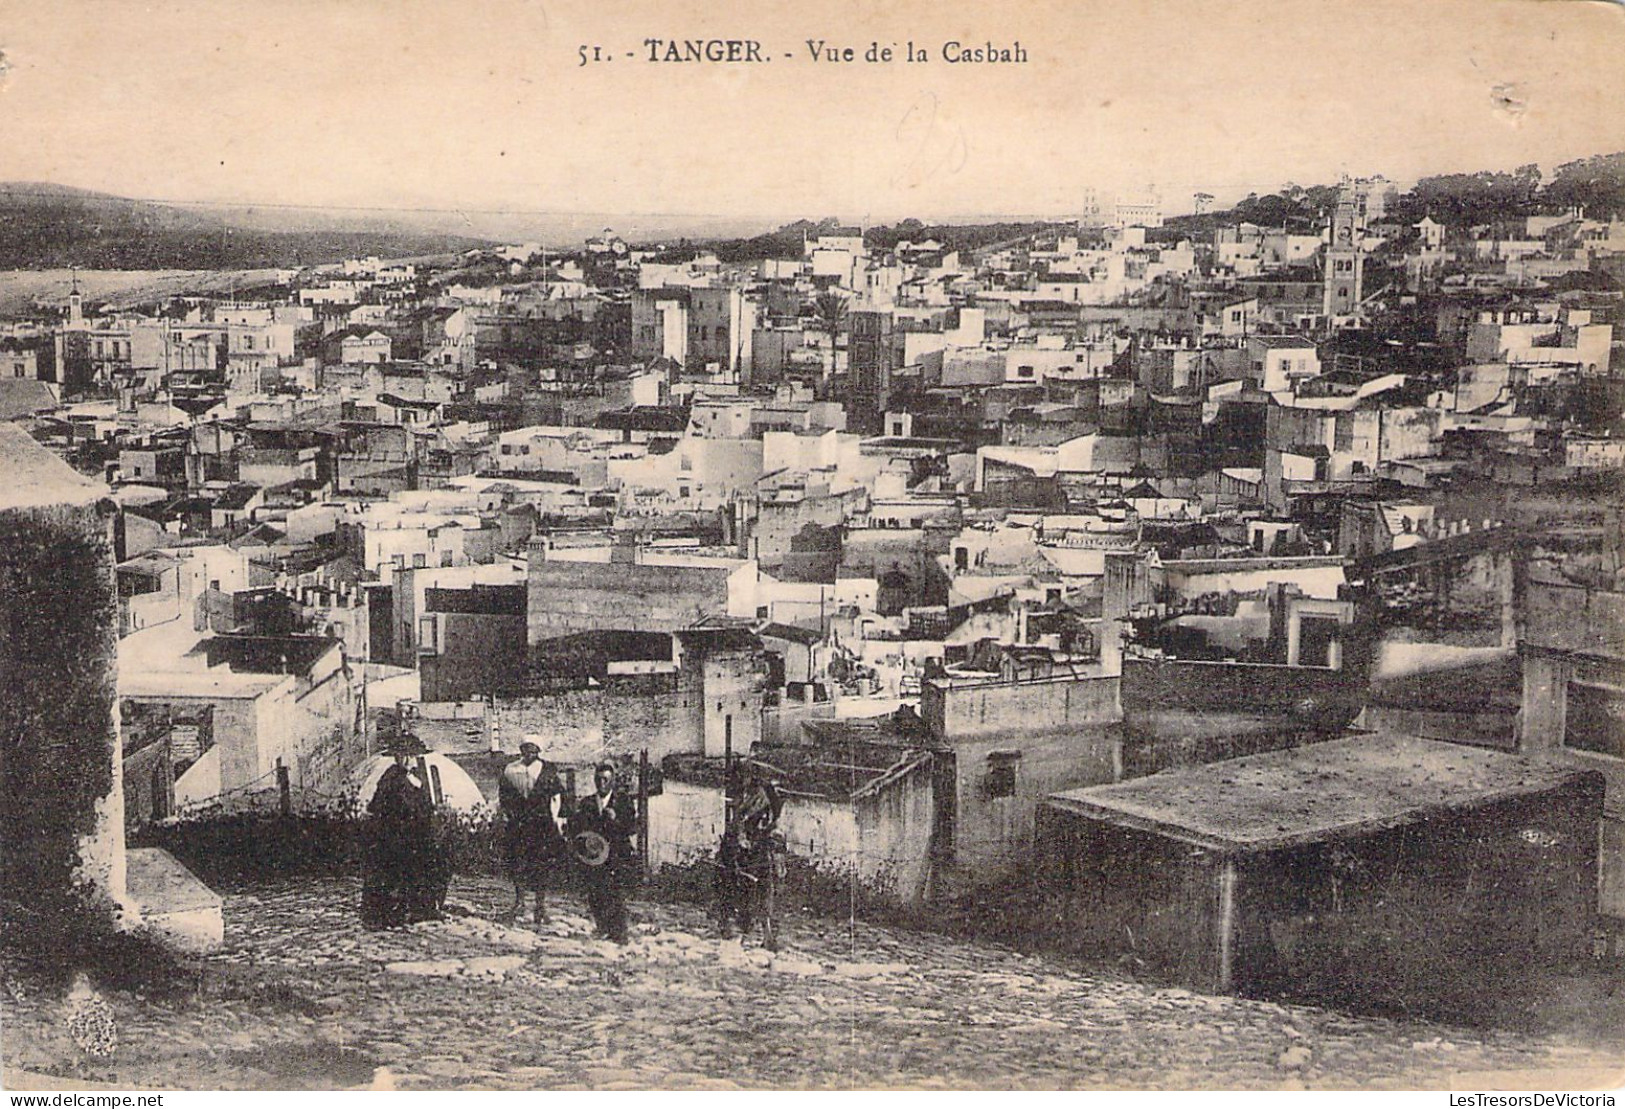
x=830 y=309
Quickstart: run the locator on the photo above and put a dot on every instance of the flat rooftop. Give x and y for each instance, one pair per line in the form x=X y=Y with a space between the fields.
x=1341 y=787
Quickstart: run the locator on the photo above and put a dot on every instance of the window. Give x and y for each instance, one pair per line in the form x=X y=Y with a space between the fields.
x=1595 y=720
x=1001 y=773
x=428 y=635
x=1316 y=634
x=1343 y=431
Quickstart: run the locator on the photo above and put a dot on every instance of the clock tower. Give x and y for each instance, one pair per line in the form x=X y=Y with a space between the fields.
x=1345 y=262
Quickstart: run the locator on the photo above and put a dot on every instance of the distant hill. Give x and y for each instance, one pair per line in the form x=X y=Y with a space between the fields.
x=46 y=226
x=556 y=230
x=788 y=241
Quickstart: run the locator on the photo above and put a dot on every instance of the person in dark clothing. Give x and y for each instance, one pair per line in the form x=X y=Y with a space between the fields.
x=750 y=859
x=533 y=849
x=406 y=874
x=609 y=813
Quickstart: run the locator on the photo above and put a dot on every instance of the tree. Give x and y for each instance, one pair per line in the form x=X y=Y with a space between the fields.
x=1266 y=211
x=1319 y=200
x=1469 y=199
x=830 y=308
x=1595 y=184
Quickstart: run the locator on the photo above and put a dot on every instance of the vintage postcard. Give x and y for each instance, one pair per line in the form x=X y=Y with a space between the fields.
x=704 y=546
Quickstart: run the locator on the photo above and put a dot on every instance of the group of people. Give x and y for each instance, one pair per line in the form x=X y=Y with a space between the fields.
x=546 y=839
x=540 y=844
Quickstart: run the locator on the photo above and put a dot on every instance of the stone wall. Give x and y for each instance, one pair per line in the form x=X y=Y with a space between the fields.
x=61 y=798
x=993 y=831
x=880 y=840
x=662 y=716
x=959 y=711
x=733 y=703
x=478 y=653
x=895 y=825
x=1549 y=676
x=570 y=597
x=685 y=825
x=1044 y=736
x=1431 y=915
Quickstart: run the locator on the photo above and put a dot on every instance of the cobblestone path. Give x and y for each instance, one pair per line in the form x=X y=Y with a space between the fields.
x=310 y=1000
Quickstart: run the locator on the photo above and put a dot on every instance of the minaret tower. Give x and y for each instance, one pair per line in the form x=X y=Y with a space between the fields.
x=76 y=304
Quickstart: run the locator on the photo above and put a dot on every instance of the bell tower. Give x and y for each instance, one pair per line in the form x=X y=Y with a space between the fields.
x=1345 y=264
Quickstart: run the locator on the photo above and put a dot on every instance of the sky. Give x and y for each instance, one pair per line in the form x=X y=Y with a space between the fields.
x=482 y=104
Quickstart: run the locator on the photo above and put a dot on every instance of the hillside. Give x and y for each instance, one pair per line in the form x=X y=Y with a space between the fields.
x=44 y=226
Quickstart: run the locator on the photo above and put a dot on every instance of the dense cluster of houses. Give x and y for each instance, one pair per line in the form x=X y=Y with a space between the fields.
x=951 y=538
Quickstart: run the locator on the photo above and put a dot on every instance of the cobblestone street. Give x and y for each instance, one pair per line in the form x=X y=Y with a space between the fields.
x=301 y=996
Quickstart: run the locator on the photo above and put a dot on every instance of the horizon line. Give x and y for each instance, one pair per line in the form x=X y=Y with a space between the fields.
x=9 y=189
x=780 y=219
